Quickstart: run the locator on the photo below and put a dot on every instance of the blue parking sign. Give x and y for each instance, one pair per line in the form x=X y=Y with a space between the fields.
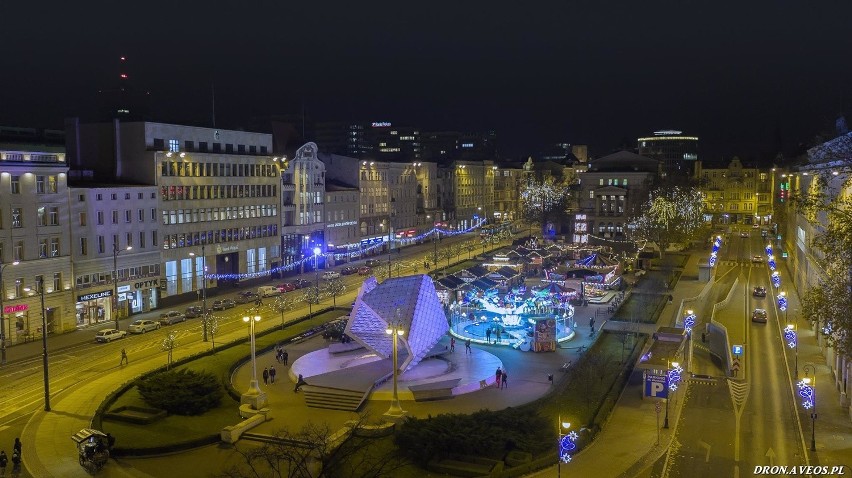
x=737 y=349
x=656 y=386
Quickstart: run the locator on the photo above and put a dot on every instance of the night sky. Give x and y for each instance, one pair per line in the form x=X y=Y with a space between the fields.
x=743 y=76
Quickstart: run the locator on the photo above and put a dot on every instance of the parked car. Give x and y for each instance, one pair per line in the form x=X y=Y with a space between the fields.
x=744 y=234
x=108 y=335
x=365 y=271
x=328 y=275
x=373 y=262
x=349 y=270
x=193 y=311
x=759 y=315
x=171 y=317
x=286 y=287
x=757 y=259
x=268 y=291
x=223 y=304
x=302 y=283
x=141 y=326
x=759 y=291
x=246 y=297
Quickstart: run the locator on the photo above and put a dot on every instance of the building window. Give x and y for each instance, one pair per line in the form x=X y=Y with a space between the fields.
x=54 y=247
x=141 y=239
x=16 y=185
x=39 y=184
x=99 y=197
x=153 y=214
x=84 y=246
x=128 y=216
x=115 y=217
x=154 y=238
x=42 y=248
x=101 y=246
x=19 y=287
x=129 y=239
x=18 y=251
x=113 y=196
x=41 y=215
x=82 y=218
x=17 y=217
x=57 y=281
x=51 y=184
x=53 y=216
x=39 y=284
x=174 y=145
x=100 y=218
x=141 y=215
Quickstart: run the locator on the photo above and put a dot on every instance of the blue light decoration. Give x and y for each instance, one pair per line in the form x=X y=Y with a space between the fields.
x=782 y=302
x=776 y=279
x=689 y=321
x=790 y=336
x=714 y=254
x=674 y=376
x=806 y=391
x=771 y=262
x=768 y=249
x=567 y=445
x=298 y=264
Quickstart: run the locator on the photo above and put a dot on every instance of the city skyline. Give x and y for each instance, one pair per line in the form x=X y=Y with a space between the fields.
x=601 y=75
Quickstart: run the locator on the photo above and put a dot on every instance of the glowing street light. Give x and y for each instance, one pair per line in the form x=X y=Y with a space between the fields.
x=395 y=330
x=567 y=444
x=253 y=396
x=807 y=390
x=3 y=314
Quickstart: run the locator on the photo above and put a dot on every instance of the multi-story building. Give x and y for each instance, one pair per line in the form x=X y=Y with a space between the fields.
x=341 y=220
x=114 y=234
x=611 y=191
x=218 y=196
x=507 y=187
x=35 y=242
x=736 y=194
x=303 y=186
x=677 y=152
x=468 y=191
x=827 y=171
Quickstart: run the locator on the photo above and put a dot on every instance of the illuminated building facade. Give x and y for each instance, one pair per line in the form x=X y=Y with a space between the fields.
x=736 y=194
x=677 y=152
x=302 y=206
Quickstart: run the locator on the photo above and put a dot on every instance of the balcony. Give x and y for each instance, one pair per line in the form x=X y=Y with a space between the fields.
x=288 y=207
x=288 y=187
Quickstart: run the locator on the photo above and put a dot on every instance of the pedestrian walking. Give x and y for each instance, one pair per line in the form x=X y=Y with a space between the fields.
x=265 y=375
x=497 y=341
x=285 y=357
x=16 y=463
x=467 y=349
x=299 y=383
x=452 y=344
x=3 y=462
x=505 y=381
x=272 y=374
x=497 y=376
x=124 y=359
x=488 y=334
x=17 y=446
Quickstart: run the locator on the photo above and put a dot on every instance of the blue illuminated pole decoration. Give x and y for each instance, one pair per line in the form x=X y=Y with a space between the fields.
x=567 y=444
x=689 y=322
x=807 y=391
x=715 y=252
x=782 y=302
x=776 y=279
x=792 y=340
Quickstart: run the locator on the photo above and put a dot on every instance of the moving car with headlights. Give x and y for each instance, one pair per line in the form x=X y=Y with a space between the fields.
x=759 y=291
x=142 y=325
x=365 y=271
x=171 y=317
x=193 y=311
x=268 y=291
x=373 y=262
x=224 y=304
x=246 y=297
x=349 y=270
x=286 y=287
x=759 y=315
x=758 y=259
x=108 y=335
x=302 y=283
x=329 y=275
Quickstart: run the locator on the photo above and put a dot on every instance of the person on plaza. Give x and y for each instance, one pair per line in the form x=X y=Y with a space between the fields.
x=497 y=338
x=3 y=462
x=505 y=383
x=265 y=375
x=17 y=446
x=124 y=359
x=497 y=376
x=467 y=349
x=488 y=334
x=452 y=344
x=285 y=357
x=16 y=463
x=272 y=374
x=299 y=383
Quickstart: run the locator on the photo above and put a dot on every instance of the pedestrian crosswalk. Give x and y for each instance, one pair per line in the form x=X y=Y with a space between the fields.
x=742 y=263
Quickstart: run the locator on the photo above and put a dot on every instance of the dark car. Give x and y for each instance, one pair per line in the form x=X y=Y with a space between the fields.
x=365 y=271
x=286 y=287
x=349 y=270
x=759 y=315
x=373 y=262
x=759 y=291
x=193 y=311
x=302 y=283
x=224 y=304
x=247 y=297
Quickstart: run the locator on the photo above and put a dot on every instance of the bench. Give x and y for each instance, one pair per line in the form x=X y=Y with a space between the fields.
x=434 y=390
x=232 y=433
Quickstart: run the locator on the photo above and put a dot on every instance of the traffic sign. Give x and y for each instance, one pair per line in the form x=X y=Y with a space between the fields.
x=737 y=349
x=656 y=386
x=735 y=366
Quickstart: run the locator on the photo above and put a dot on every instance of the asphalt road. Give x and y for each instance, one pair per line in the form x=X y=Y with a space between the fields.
x=727 y=427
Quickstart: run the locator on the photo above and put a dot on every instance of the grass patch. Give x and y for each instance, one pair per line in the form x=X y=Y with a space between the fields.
x=175 y=430
x=641 y=307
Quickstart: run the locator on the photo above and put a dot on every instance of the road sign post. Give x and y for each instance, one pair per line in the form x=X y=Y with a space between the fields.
x=658 y=409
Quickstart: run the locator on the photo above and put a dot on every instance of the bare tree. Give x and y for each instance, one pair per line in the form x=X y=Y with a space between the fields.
x=312 y=295
x=317 y=452
x=170 y=343
x=282 y=304
x=334 y=287
x=211 y=323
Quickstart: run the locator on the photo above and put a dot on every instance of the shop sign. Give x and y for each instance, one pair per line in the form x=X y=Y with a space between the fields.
x=11 y=309
x=340 y=224
x=229 y=248
x=94 y=295
x=123 y=288
x=146 y=284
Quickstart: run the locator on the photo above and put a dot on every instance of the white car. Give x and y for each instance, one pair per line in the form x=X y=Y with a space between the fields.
x=328 y=275
x=108 y=335
x=142 y=325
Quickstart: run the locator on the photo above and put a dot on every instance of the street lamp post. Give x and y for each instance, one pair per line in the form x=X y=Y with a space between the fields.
x=671 y=366
x=566 y=444
x=792 y=339
x=395 y=330
x=3 y=313
x=40 y=290
x=115 y=253
x=203 y=290
x=807 y=390
x=253 y=396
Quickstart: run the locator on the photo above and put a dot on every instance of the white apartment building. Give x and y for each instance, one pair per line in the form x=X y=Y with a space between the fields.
x=35 y=244
x=302 y=206
x=115 y=231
